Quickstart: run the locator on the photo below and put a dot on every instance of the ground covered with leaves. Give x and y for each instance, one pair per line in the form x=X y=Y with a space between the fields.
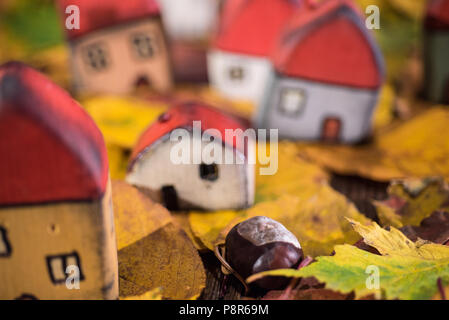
x=406 y=235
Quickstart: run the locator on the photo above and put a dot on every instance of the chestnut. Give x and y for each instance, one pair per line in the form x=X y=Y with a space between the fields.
x=261 y=244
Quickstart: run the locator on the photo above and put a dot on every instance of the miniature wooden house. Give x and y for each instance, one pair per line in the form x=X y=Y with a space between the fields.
x=196 y=183
x=437 y=51
x=119 y=46
x=189 y=20
x=238 y=63
x=328 y=73
x=57 y=238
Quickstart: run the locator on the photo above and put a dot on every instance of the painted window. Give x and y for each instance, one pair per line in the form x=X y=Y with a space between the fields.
x=236 y=73
x=57 y=266
x=5 y=245
x=96 y=57
x=292 y=101
x=143 y=45
x=209 y=172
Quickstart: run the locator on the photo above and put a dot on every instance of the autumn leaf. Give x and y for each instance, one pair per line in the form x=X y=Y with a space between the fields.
x=407 y=269
x=152 y=251
x=411 y=201
x=122 y=119
x=299 y=197
x=417 y=148
x=434 y=228
x=155 y=294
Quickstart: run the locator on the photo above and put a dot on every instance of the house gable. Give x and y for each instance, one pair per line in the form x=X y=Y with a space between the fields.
x=332 y=46
x=253 y=26
x=99 y=14
x=51 y=149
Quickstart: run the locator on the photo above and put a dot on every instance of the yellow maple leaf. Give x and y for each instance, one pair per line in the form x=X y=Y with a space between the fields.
x=404 y=270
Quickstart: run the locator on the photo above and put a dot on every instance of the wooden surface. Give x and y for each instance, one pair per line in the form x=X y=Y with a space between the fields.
x=358 y=190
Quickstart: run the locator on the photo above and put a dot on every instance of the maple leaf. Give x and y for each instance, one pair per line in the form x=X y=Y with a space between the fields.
x=407 y=269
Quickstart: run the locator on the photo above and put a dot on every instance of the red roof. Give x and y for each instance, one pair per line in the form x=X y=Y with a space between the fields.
x=253 y=26
x=182 y=116
x=51 y=150
x=99 y=14
x=328 y=42
x=438 y=14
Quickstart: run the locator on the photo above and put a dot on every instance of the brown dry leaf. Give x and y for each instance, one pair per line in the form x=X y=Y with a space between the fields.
x=418 y=148
x=152 y=251
x=434 y=228
x=299 y=197
x=411 y=201
x=182 y=221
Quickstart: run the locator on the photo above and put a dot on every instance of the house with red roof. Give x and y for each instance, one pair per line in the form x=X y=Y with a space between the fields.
x=328 y=73
x=217 y=171
x=55 y=211
x=120 y=45
x=436 y=48
x=238 y=62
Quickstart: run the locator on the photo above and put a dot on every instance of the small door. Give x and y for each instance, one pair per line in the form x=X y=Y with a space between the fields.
x=170 y=198
x=331 y=130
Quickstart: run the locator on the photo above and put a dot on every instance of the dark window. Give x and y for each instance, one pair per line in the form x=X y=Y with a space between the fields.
x=96 y=57
x=236 y=73
x=143 y=45
x=5 y=245
x=57 y=266
x=209 y=172
x=292 y=101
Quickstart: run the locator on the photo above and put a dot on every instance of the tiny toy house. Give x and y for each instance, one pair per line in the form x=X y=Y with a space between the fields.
x=56 y=220
x=437 y=51
x=328 y=73
x=238 y=63
x=189 y=20
x=210 y=185
x=119 y=46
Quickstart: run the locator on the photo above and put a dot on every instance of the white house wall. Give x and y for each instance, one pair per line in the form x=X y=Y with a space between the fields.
x=189 y=19
x=354 y=107
x=234 y=187
x=256 y=71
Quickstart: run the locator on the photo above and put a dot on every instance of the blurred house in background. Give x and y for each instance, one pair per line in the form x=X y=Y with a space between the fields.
x=436 y=48
x=189 y=25
x=238 y=62
x=328 y=73
x=189 y=20
x=120 y=46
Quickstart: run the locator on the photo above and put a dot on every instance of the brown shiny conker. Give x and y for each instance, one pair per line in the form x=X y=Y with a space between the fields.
x=261 y=244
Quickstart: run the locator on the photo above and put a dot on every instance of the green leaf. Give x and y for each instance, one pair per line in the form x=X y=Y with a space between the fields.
x=407 y=270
